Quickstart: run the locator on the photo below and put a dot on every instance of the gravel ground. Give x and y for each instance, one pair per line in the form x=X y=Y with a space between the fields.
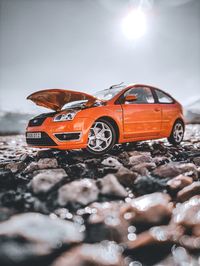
x=137 y=205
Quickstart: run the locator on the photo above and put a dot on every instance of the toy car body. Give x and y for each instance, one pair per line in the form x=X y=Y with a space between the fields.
x=119 y=114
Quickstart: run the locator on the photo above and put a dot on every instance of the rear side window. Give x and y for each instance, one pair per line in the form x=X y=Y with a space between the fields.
x=163 y=98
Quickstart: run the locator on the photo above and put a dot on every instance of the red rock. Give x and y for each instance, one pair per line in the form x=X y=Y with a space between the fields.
x=189 y=191
x=179 y=182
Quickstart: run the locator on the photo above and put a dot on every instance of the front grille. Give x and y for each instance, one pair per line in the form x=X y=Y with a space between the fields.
x=45 y=140
x=68 y=136
x=36 y=122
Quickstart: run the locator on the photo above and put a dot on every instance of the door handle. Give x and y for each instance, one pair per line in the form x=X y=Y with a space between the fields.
x=157 y=109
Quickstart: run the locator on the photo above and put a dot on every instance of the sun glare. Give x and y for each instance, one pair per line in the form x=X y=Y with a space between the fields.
x=134 y=24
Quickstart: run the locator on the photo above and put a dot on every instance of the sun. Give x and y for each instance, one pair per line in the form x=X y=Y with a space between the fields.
x=134 y=24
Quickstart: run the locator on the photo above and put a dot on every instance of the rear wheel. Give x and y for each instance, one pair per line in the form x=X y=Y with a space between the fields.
x=177 y=133
x=101 y=137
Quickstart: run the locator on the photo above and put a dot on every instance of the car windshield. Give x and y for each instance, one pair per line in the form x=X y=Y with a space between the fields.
x=108 y=93
x=104 y=95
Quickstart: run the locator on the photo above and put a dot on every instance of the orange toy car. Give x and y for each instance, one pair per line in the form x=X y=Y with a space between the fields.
x=119 y=114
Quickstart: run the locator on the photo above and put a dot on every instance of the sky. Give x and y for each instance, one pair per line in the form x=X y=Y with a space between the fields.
x=80 y=45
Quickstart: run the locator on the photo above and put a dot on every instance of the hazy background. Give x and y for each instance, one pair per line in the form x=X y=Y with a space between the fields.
x=79 y=45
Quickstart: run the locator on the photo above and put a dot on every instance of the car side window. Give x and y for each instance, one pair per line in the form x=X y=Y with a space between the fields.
x=163 y=98
x=143 y=94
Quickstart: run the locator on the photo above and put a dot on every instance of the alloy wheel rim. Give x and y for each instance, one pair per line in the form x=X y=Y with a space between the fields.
x=100 y=137
x=178 y=132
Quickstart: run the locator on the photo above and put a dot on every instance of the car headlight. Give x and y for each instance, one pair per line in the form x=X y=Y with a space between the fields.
x=64 y=117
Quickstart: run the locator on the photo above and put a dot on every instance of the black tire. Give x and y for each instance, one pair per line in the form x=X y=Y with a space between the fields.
x=175 y=138
x=111 y=142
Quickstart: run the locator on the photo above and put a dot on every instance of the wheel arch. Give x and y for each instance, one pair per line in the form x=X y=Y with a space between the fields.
x=113 y=123
x=177 y=120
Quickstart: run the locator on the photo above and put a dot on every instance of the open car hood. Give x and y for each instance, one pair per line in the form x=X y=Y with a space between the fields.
x=55 y=99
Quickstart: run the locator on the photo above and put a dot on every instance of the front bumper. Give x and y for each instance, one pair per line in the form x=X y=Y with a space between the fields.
x=60 y=135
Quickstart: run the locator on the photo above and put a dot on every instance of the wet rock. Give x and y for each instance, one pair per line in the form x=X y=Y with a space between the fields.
x=179 y=257
x=125 y=176
x=143 y=168
x=105 y=222
x=110 y=186
x=166 y=234
x=45 y=154
x=6 y=213
x=79 y=170
x=111 y=162
x=159 y=148
x=6 y=178
x=103 y=254
x=196 y=161
x=15 y=167
x=138 y=159
x=160 y=160
x=26 y=158
x=34 y=235
x=46 y=163
x=190 y=242
x=83 y=192
x=179 y=182
x=45 y=180
x=174 y=169
x=189 y=191
x=187 y=214
x=153 y=208
x=148 y=184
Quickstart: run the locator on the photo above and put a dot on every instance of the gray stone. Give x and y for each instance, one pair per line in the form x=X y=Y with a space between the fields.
x=42 y=235
x=44 y=180
x=82 y=191
x=125 y=176
x=138 y=159
x=45 y=163
x=109 y=185
x=111 y=162
x=103 y=254
x=174 y=169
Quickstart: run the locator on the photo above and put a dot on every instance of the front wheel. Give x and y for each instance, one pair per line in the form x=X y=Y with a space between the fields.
x=101 y=137
x=177 y=133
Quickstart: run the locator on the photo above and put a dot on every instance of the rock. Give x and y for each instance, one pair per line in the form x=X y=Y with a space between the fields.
x=153 y=208
x=196 y=161
x=111 y=162
x=45 y=153
x=46 y=163
x=138 y=159
x=105 y=222
x=190 y=242
x=110 y=186
x=143 y=168
x=83 y=192
x=187 y=214
x=157 y=235
x=32 y=235
x=160 y=160
x=148 y=184
x=5 y=213
x=15 y=167
x=179 y=257
x=125 y=176
x=45 y=180
x=6 y=178
x=103 y=254
x=189 y=191
x=174 y=169
x=179 y=182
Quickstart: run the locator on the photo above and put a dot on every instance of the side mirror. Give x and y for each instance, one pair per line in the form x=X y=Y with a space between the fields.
x=130 y=98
